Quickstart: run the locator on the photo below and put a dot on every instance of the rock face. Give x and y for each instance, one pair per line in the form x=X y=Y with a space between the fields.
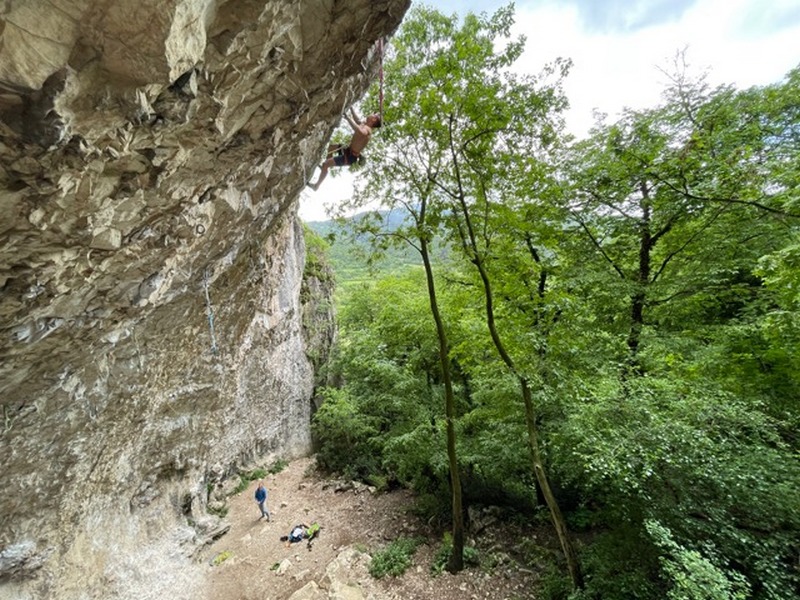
x=151 y=265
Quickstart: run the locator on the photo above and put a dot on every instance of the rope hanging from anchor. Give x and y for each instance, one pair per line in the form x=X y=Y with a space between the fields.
x=380 y=77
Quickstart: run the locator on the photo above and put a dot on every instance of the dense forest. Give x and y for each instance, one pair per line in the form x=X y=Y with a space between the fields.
x=601 y=334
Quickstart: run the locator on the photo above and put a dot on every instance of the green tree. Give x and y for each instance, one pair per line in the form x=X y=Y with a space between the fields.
x=424 y=216
x=684 y=208
x=663 y=248
x=381 y=423
x=459 y=111
x=679 y=201
x=494 y=133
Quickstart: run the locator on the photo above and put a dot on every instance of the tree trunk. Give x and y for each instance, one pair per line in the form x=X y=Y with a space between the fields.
x=639 y=298
x=456 y=561
x=530 y=416
x=544 y=484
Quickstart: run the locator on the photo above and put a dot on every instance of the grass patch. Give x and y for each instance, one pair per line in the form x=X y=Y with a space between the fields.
x=278 y=466
x=245 y=479
x=380 y=482
x=241 y=486
x=220 y=511
x=221 y=557
x=260 y=473
x=395 y=559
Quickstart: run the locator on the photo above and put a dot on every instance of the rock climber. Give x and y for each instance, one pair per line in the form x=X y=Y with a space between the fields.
x=340 y=155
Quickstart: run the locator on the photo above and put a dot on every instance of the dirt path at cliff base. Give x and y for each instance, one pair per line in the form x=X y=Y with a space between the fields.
x=258 y=566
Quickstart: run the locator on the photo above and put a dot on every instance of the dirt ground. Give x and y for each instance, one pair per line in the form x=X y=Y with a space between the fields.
x=351 y=517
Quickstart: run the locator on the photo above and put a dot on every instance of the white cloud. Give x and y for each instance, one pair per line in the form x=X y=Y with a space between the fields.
x=615 y=70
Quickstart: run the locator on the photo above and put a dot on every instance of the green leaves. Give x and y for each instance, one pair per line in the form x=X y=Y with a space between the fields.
x=708 y=465
x=395 y=558
x=644 y=287
x=692 y=575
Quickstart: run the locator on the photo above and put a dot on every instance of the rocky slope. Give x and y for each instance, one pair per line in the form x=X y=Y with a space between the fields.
x=251 y=563
x=151 y=269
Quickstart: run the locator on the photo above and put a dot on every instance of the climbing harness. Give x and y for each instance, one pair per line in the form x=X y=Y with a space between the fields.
x=210 y=312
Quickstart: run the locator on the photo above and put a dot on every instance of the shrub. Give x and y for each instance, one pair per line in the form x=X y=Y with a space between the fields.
x=446 y=550
x=344 y=436
x=277 y=466
x=245 y=479
x=395 y=558
x=693 y=576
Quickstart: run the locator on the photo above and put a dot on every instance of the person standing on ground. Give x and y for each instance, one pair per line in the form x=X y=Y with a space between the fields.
x=261 y=499
x=340 y=155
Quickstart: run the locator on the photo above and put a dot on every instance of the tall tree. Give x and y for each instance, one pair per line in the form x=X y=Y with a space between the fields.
x=477 y=255
x=684 y=208
x=458 y=118
x=663 y=194
x=407 y=186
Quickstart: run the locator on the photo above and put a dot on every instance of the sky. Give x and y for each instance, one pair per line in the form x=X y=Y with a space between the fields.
x=618 y=48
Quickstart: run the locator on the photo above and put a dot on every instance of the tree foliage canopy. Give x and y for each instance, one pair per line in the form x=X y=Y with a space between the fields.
x=644 y=284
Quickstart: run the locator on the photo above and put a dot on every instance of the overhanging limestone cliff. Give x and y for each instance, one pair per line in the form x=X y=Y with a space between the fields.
x=152 y=153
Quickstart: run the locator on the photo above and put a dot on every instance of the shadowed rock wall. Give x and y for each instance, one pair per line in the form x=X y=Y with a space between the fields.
x=151 y=262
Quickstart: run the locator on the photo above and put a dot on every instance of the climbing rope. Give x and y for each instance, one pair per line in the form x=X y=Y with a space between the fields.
x=210 y=312
x=380 y=77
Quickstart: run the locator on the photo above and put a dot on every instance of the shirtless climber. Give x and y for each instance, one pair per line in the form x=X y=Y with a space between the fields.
x=340 y=155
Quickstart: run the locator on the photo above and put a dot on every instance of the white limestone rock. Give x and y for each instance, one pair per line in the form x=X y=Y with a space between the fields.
x=153 y=336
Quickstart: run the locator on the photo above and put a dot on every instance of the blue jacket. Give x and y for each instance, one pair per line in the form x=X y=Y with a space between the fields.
x=261 y=494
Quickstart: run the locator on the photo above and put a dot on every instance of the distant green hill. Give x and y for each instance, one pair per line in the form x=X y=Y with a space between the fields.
x=348 y=253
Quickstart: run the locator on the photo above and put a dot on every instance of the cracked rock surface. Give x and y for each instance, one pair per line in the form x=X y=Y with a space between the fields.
x=153 y=338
